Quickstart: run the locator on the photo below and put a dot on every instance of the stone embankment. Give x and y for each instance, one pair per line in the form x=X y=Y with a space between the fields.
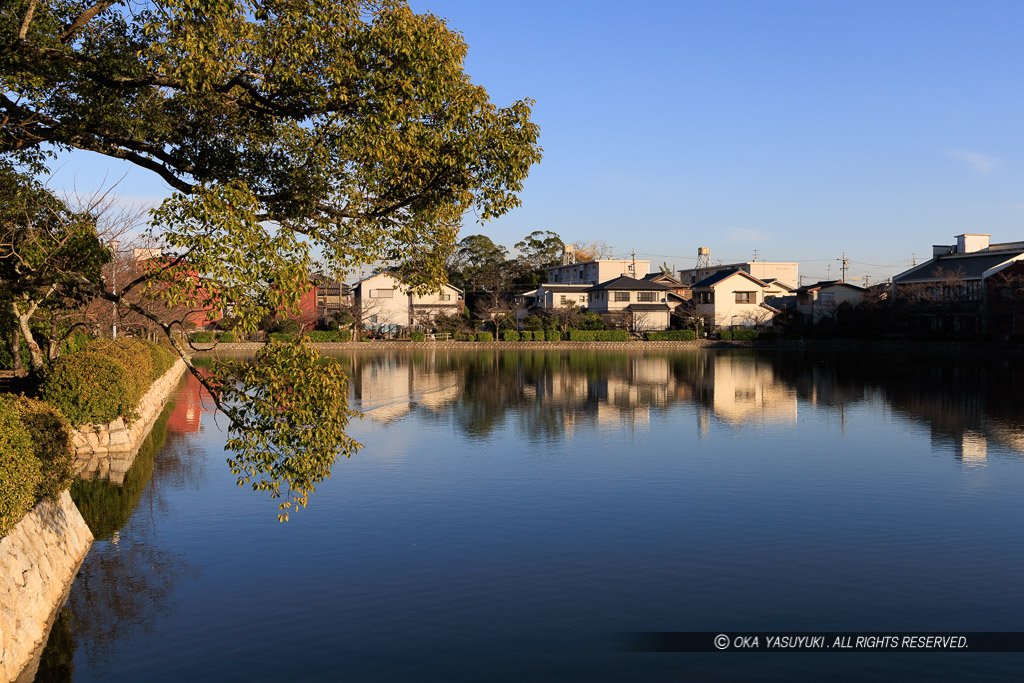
x=38 y=562
x=108 y=450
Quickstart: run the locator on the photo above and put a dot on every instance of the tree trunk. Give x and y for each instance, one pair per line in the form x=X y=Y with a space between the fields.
x=15 y=340
x=34 y=352
x=53 y=352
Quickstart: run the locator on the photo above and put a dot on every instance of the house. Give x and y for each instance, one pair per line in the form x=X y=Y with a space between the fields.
x=948 y=292
x=384 y=303
x=548 y=296
x=641 y=305
x=822 y=299
x=766 y=271
x=733 y=298
x=671 y=281
x=597 y=271
x=1005 y=302
x=331 y=297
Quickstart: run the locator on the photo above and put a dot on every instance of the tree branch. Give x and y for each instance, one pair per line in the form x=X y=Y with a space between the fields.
x=83 y=19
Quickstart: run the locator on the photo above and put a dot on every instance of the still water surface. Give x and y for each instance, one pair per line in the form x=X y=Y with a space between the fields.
x=513 y=513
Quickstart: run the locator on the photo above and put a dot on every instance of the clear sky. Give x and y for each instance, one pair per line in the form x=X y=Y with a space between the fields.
x=799 y=129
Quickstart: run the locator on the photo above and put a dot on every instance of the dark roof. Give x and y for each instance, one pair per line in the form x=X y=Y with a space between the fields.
x=659 y=275
x=624 y=282
x=824 y=284
x=781 y=302
x=960 y=266
x=648 y=307
x=564 y=288
x=722 y=275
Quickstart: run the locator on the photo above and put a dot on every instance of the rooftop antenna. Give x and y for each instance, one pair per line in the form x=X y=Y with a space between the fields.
x=755 y=253
x=913 y=260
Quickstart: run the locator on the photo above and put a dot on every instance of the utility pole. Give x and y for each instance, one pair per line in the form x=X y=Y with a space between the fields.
x=913 y=260
x=633 y=267
x=114 y=244
x=846 y=262
x=828 y=272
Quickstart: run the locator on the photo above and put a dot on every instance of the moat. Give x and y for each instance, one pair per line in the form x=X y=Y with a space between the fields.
x=514 y=512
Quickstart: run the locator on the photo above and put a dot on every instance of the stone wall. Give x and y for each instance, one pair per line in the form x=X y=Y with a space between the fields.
x=108 y=451
x=38 y=562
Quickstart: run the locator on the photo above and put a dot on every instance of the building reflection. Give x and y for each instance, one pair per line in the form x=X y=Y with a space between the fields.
x=553 y=394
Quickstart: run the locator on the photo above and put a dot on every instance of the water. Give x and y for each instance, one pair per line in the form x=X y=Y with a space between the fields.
x=512 y=514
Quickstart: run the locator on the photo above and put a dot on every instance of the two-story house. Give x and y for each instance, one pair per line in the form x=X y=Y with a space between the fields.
x=822 y=299
x=733 y=298
x=642 y=305
x=385 y=303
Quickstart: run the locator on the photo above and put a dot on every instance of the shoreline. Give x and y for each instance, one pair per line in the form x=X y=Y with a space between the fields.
x=987 y=349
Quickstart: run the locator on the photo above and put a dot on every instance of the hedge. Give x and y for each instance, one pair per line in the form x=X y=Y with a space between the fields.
x=673 y=335
x=227 y=338
x=35 y=456
x=104 y=381
x=418 y=336
x=598 y=335
x=328 y=335
x=747 y=335
x=201 y=337
x=484 y=337
x=19 y=472
x=282 y=336
x=510 y=336
x=553 y=335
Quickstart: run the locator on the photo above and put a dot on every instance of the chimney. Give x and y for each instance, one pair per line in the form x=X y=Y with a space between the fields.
x=969 y=243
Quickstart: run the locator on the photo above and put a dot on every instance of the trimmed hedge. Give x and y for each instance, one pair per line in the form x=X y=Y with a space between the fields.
x=19 y=472
x=282 y=336
x=672 y=335
x=35 y=456
x=228 y=338
x=510 y=336
x=598 y=335
x=328 y=335
x=553 y=335
x=201 y=337
x=484 y=337
x=105 y=381
x=747 y=335
x=526 y=335
x=418 y=337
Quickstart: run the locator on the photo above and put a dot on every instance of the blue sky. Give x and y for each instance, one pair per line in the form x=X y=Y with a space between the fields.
x=800 y=129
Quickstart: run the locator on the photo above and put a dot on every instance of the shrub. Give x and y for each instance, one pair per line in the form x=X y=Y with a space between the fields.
x=323 y=336
x=201 y=337
x=748 y=335
x=228 y=338
x=463 y=336
x=418 y=337
x=90 y=387
x=672 y=335
x=282 y=336
x=484 y=337
x=553 y=335
x=161 y=358
x=50 y=436
x=598 y=335
x=510 y=336
x=136 y=357
x=20 y=473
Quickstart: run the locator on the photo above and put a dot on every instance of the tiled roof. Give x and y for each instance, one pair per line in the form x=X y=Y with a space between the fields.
x=648 y=307
x=564 y=288
x=722 y=275
x=624 y=282
x=824 y=284
x=960 y=266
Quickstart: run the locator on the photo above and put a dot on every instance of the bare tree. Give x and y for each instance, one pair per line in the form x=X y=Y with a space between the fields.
x=592 y=251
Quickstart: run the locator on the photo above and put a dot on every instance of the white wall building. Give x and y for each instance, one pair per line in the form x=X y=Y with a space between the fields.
x=596 y=272
x=387 y=302
x=787 y=273
x=733 y=298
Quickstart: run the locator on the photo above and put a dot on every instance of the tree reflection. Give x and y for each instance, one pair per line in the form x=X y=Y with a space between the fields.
x=546 y=395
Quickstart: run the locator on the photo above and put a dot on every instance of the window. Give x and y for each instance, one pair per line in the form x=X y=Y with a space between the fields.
x=563 y=299
x=622 y=296
x=445 y=297
x=382 y=294
x=705 y=297
x=647 y=296
x=744 y=297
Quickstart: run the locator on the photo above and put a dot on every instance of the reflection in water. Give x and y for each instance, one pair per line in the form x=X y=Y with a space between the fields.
x=125 y=582
x=968 y=405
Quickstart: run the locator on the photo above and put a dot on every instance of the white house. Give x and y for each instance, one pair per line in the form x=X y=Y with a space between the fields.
x=647 y=305
x=596 y=272
x=733 y=298
x=822 y=299
x=765 y=271
x=385 y=302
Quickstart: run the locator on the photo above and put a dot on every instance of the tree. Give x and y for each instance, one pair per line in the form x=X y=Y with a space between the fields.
x=567 y=316
x=592 y=251
x=282 y=126
x=44 y=247
x=539 y=250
